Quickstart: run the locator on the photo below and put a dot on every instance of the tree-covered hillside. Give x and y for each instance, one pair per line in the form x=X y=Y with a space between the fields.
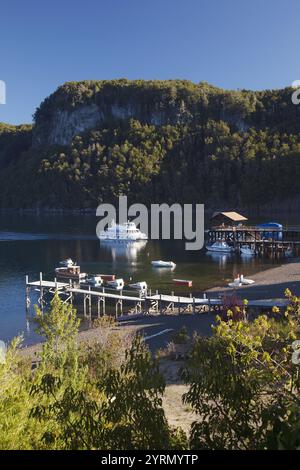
x=162 y=141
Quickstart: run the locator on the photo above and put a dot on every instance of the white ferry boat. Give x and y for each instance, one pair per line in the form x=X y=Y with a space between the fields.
x=122 y=232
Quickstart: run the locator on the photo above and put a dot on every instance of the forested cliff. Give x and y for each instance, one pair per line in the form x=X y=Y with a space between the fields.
x=156 y=141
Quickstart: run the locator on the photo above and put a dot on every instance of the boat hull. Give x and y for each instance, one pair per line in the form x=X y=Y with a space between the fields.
x=183 y=282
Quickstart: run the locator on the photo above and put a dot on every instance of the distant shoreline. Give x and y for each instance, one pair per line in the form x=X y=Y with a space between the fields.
x=250 y=212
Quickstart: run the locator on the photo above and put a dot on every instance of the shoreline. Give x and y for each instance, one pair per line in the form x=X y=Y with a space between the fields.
x=250 y=211
x=269 y=283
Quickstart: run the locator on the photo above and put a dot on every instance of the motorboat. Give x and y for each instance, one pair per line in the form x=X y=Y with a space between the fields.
x=107 y=277
x=235 y=284
x=246 y=250
x=243 y=280
x=67 y=263
x=163 y=264
x=141 y=286
x=71 y=272
x=220 y=246
x=117 y=284
x=288 y=251
x=95 y=281
x=122 y=232
x=183 y=282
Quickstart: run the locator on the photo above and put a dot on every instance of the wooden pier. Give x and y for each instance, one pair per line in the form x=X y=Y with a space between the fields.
x=70 y=291
x=265 y=241
x=127 y=305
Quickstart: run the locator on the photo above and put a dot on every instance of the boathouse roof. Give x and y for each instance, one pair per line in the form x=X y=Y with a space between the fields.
x=234 y=216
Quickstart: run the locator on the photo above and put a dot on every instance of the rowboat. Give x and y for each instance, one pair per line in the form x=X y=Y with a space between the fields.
x=183 y=282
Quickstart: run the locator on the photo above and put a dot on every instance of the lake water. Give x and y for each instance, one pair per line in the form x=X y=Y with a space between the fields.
x=30 y=244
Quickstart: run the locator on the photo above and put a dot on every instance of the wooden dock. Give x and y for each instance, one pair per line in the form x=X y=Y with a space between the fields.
x=132 y=305
x=265 y=241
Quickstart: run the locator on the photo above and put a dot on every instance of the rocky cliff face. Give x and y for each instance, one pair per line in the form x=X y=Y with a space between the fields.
x=64 y=124
x=78 y=107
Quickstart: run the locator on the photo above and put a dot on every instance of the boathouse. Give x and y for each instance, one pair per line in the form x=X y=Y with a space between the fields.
x=226 y=219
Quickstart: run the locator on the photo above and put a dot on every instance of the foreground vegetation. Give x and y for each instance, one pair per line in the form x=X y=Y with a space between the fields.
x=243 y=384
x=176 y=142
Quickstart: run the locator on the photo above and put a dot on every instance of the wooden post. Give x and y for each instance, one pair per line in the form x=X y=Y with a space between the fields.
x=84 y=305
x=27 y=296
x=71 y=293
x=194 y=309
x=90 y=303
x=41 y=291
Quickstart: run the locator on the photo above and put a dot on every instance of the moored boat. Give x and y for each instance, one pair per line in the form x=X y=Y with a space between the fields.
x=183 y=282
x=72 y=272
x=288 y=251
x=67 y=263
x=117 y=284
x=107 y=277
x=246 y=250
x=220 y=246
x=235 y=284
x=95 y=281
x=122 y=232
x=163 y=264
x=243 y=280
x=142 y=285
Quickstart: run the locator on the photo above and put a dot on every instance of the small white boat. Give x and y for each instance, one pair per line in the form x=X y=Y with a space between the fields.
x=235 y=284
x=95 y=281
x=243 y=280
x=141 y=286
x=288 y=252
x=117 y=284
x=67 y=263
x=220 y=246
x=246 y=250
x=163 y=264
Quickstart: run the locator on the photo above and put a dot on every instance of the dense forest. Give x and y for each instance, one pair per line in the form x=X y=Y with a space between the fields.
x=155 y=141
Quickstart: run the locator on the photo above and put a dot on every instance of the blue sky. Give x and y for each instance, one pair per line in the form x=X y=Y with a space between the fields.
x=230 y=43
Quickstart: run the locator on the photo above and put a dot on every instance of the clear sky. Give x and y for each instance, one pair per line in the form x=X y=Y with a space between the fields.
x=252 y=44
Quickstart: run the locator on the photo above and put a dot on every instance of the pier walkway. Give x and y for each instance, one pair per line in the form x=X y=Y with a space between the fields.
x=142 y=304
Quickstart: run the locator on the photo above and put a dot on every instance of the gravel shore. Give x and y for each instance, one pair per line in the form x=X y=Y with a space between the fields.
x=269 y=284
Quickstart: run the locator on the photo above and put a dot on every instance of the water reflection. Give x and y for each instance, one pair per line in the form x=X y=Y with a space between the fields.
x=221 y=258
x=123 y=249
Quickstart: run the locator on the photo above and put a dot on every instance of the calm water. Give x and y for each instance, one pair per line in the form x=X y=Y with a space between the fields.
x=30 y=244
